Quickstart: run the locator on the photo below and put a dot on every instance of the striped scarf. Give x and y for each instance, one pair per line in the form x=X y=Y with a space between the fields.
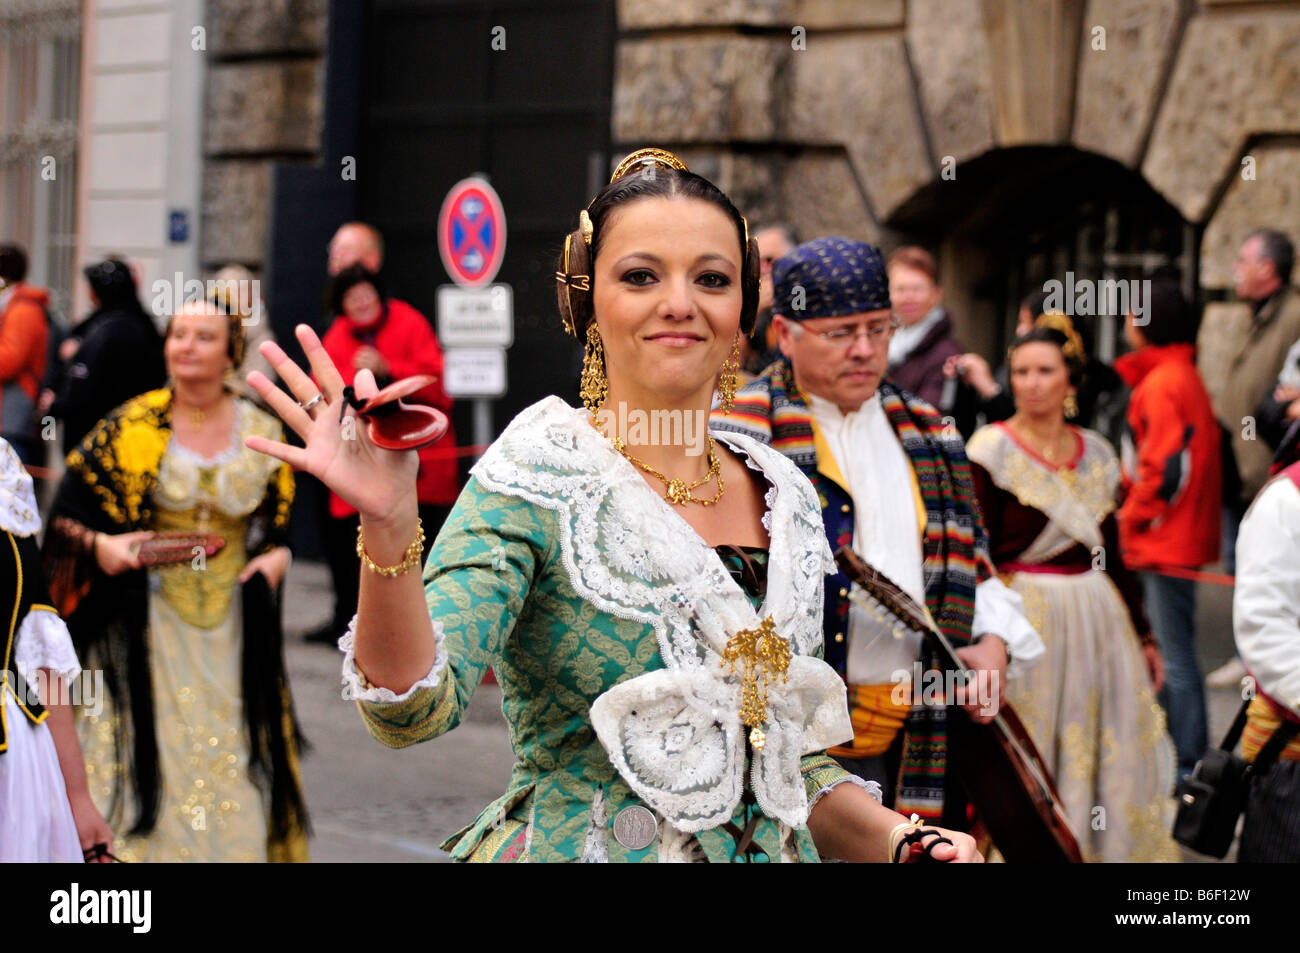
x=955 y=546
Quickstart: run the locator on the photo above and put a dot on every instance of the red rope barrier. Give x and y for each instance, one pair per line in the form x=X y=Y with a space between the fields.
x=473 y=450
x=1217 y=578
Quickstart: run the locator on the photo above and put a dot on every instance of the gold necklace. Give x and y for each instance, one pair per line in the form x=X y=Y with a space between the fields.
x=198 y=415
x=678 y=492
x=1048 y=454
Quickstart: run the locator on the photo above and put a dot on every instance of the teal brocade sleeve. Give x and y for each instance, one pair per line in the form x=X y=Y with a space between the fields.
x=476 y=581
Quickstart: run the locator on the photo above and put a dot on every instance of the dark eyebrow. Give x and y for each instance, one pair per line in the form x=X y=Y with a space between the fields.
x=711 y=256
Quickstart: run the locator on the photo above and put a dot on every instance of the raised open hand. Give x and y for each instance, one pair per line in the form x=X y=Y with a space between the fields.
x=338 y=450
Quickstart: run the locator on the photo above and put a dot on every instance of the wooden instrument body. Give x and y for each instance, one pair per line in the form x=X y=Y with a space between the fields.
x=998 y=764
x=1022 y=813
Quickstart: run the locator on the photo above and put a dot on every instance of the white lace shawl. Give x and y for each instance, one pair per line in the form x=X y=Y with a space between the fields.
x=675 y=735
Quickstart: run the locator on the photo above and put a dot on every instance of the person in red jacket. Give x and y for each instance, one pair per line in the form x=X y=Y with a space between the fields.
x=392 y=340
x=24 y=341
x=1171 y=512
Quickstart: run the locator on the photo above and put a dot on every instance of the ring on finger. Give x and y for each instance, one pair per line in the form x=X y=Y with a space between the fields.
x=313 y=402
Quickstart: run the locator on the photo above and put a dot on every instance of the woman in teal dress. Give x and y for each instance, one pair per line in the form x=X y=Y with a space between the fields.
x=649 y=599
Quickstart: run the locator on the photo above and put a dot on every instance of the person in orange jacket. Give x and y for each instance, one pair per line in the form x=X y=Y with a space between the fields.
x=24 y=341
x=1172 y=507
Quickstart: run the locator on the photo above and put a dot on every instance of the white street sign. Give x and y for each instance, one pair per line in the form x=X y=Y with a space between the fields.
x=474 y=371
x=476 y=317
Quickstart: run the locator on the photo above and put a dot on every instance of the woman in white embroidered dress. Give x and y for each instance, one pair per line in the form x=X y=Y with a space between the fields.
x=660 y=673
x=1047 y=491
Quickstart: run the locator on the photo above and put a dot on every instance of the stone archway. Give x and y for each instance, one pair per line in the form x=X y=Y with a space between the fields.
x=1011 y=219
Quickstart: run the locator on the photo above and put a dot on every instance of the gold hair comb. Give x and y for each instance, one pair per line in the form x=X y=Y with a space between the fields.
x=652 y=156
x=1073 y=347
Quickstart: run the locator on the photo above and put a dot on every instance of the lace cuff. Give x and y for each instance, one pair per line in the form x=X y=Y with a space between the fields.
x=44 y=642
x=871 y=787
x=356 y=687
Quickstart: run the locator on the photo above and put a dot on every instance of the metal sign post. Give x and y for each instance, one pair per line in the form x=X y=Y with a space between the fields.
x=475 y=317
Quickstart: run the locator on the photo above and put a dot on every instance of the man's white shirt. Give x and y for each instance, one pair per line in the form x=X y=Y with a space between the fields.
x=886 y=533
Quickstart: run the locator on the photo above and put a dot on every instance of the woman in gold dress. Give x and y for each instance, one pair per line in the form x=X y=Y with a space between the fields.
x=195 y=753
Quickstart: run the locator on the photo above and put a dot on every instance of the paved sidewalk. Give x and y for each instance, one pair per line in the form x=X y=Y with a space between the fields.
x=369 y=802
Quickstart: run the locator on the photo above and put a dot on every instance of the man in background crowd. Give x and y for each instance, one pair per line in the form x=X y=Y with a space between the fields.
x=924 y=340
x=24 y=341
x=760 y=349
x=1170 y=517
x=390 y=338
x=1266 y=623
x=894 y=483
x=115 y=353
x=1240 y=361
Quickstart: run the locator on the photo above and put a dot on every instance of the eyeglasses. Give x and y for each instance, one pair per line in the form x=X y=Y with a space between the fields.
x=876 y=333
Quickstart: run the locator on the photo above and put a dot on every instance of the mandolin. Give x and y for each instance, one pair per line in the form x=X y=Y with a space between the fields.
x=998 y=764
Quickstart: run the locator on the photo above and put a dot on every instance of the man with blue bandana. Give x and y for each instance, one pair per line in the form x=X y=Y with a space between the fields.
x=894 y=484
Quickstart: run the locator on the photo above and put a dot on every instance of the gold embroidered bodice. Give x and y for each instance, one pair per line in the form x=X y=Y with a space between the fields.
x=211 y=495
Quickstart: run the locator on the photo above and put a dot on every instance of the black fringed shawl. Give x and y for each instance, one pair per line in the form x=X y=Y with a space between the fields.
x=108 y=488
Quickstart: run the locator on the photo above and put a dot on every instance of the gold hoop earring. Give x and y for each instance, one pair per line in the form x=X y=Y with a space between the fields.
x=1071 y=407
x=729 y=377
x=595 y=386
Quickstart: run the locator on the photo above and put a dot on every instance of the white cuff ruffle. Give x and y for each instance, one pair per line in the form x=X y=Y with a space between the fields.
x=871 y=787
x=356 y=687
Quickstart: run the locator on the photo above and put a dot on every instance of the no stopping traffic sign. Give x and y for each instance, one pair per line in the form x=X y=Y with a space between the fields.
x=472 y=233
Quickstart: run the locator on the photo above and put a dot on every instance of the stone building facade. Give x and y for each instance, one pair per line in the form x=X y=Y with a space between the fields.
x=263 y=106
x=186 y=106
x=834 y=114
x=884 y=119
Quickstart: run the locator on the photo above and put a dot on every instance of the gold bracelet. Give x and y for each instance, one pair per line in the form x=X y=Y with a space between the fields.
x=412 y=560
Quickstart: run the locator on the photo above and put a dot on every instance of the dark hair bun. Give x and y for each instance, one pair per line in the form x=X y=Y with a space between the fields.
x=576 y=310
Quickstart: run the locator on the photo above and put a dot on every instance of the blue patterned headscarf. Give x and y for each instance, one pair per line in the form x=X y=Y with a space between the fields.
x=830 y=278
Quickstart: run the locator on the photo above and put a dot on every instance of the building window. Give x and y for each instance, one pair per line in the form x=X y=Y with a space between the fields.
x=40 y=75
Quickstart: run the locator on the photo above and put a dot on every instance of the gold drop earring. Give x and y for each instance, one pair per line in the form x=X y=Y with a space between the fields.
x=729 y=377
x=595 y=387
x=1071 y=407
